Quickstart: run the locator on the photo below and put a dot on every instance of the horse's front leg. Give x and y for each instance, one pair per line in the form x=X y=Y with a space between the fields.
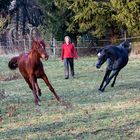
x=115 y=73
x=116 y=65
x=45 y=78
x=32 y=81
x=37 y=87
x=107 y=73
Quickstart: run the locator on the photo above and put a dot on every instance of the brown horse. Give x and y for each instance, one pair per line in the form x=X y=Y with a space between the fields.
x=31 y=68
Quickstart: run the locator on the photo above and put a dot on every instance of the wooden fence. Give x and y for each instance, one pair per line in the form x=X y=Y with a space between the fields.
x=85 y=47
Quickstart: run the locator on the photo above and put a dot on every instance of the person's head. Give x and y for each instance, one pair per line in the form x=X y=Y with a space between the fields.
x=67 y=39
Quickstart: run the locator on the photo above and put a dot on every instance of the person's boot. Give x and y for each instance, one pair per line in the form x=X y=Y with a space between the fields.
x=66 y=77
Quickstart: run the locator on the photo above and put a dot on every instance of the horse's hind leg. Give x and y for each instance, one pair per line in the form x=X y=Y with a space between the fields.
x=45 y=78
x=109 y=79
x=113 y=83
x=28 y=82
x=30 y=85
x=32 y=81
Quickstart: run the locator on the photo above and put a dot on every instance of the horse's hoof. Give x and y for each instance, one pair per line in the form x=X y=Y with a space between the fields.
x=101 y=90
x=58 y=99
x=39 y=100
x=39 y=93
x=65 y=103
x=37 y=104
x=112 y=85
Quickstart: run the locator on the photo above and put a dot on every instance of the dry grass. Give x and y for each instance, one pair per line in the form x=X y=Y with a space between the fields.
x=84 y=114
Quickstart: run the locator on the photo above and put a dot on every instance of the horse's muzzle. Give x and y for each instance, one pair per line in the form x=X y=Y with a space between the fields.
x=98 y=66
x=45 y=56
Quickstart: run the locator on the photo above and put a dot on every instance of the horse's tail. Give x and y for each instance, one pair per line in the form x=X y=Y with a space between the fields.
x=13 y=63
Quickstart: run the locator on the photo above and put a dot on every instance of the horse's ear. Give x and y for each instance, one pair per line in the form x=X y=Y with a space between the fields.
x=99 y=50
x=34 y=43
x=125 y=44
x=42 y=41
x=45 y=43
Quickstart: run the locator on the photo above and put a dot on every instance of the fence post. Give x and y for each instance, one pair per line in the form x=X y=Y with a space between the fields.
x=30 y=43
x=125 y=35
x=24 y=45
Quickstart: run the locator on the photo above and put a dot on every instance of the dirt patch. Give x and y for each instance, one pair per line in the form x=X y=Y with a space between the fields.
x=11 y=110
x=135 y=49
x=3 y=94
x=134 y=56
x=2 y=51
x=10 y=76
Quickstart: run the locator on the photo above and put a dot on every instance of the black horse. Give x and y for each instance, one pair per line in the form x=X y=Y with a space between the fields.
x=116 y=57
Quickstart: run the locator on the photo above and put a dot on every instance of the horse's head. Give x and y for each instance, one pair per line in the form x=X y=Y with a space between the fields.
x=127 y=45
x=102 y=57
x=40 y=47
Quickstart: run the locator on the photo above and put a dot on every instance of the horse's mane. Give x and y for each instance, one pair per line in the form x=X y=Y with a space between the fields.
x=37 y=42
x=125 y=45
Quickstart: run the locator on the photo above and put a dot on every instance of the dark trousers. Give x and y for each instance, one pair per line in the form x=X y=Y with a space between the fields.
x=69 y=62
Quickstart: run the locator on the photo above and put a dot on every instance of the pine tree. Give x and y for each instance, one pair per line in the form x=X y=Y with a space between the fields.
x=76 y=17
x=101 y=17
x=58 y=17
x=4 y=5
x=127 y=15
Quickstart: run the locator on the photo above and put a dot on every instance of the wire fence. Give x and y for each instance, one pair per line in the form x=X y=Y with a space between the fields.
x=83 y=47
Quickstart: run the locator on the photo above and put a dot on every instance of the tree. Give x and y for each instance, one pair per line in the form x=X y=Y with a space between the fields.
x=77 y=17
x=90 y=16
x=100 y=17
x=4 y=4
x=26 y=12
x=126 y=15
x=57 y=17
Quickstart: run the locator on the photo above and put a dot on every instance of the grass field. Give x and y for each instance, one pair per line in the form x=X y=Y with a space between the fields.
x=113 y=115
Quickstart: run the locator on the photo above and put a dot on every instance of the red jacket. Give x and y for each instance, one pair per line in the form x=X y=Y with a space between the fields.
x=68 y=51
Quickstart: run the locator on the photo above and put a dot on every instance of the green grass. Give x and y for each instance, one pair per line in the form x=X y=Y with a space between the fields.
x=113 y=115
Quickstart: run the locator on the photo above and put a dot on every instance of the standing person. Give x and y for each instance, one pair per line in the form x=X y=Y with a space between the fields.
x=68 y=54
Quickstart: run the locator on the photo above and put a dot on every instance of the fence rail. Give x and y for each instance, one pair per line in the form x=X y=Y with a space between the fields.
x=83 y=47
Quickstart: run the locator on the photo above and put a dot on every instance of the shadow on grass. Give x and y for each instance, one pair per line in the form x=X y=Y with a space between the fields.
x=124 y=131
x=34 y=128
x=119 y=87
x=132 y=85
